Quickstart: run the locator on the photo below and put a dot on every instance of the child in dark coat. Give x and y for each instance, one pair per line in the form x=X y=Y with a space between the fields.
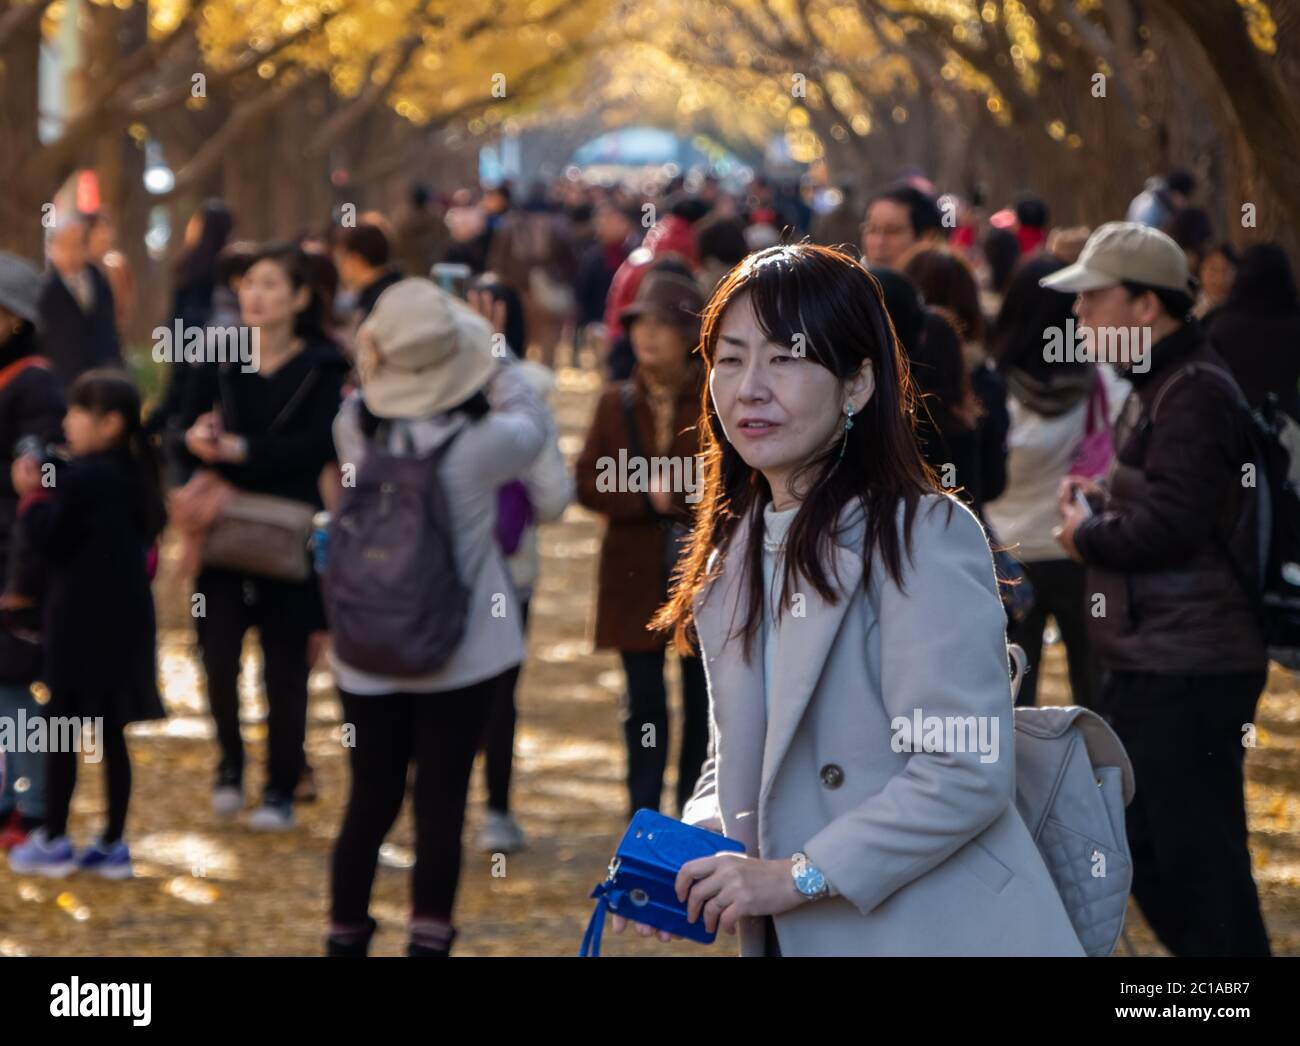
x=93 y=521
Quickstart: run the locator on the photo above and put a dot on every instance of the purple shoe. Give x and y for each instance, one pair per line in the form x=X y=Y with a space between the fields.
x=41 y=856
x=108 y=862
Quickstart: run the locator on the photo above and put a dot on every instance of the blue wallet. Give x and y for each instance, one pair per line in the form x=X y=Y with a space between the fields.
x=642 y=873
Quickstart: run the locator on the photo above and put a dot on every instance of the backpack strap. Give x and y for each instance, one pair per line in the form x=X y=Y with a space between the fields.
x=1208 y=368
x=1253 y=588
x=13 y=370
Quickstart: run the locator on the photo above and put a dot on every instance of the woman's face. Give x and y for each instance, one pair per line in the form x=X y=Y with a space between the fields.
x=1216 y=276
x=779 y=409
x=658 y=344
x=267 y=297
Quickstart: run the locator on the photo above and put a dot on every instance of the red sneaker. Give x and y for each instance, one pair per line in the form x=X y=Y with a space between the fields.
x=13 y=833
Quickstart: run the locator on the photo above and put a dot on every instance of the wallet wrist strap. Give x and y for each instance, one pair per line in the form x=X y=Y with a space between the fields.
x=591 y=939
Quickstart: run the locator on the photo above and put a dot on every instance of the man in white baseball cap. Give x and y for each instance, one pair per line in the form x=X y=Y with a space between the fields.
x=1170 y=545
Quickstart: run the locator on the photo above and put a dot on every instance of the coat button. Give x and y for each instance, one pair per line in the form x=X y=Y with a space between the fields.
x=832 y=775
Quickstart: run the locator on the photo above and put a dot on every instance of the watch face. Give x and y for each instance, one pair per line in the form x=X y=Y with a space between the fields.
x=808 y=878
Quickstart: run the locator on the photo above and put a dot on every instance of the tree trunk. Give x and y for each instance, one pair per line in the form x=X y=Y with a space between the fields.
x=21 y=201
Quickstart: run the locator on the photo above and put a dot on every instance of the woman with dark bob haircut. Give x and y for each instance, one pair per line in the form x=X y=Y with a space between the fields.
x=835 y=593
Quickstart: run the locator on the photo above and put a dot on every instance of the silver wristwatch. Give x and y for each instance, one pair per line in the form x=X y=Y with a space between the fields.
x=808 y=878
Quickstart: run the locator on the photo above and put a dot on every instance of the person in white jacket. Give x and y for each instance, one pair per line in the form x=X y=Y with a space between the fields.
x=1049 y=405
x=427 y=372
x=549 y=488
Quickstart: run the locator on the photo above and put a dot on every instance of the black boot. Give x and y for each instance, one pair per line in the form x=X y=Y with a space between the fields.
x=355 y=944
x=418 y=950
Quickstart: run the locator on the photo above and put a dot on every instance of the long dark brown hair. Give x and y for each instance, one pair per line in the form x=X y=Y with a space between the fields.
x=838 y=308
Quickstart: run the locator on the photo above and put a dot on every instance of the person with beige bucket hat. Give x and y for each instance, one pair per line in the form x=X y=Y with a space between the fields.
x=430 y=386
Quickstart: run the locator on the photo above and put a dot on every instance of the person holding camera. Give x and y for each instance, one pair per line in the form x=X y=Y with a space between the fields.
x=1167 y=545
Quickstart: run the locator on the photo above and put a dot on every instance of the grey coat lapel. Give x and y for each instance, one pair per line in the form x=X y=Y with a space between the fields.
x=803 y=646
x=736 y=691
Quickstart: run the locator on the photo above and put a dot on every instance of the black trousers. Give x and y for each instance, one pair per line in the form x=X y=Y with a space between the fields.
x=440 y=734
x=1059 y=592
x=234 y=606
x=499 y=736
x=1187 y=822
x=61 y=772
x=646 y=705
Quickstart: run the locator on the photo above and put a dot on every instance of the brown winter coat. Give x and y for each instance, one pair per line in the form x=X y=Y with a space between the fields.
x=633 y=581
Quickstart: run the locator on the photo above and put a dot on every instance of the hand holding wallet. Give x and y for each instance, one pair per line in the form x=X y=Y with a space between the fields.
x=641 y=885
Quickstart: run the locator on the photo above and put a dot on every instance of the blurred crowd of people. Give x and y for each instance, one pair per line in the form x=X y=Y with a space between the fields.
x=477 y=296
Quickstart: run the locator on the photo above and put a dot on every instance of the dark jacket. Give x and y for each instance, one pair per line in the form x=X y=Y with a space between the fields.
x=76 y=341
x=31 y=405
x=99 y=614
x=284 y=458
x=633 y=581
x=192 y=305
x=1262 y=348
x=1177 y=533
x=370 y=293
x=596 y=270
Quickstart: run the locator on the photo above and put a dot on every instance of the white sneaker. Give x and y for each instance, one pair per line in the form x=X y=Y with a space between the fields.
x=272 y=817
x=500 y=834
x=227 y=800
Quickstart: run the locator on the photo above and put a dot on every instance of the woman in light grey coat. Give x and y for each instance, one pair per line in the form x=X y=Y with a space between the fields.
x=855 y=646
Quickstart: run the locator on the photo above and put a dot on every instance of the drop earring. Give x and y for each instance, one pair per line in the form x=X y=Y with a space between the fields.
x=848 y=424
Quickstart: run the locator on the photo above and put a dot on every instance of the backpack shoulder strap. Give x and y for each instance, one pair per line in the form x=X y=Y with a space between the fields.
x=1208 y=368
x=13 y=370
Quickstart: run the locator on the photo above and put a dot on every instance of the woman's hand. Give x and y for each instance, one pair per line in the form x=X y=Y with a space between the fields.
x=618 y=924
x=728 y=886
x=482 y=302
x=25 y=475
x=211 y=444
x=203 y=438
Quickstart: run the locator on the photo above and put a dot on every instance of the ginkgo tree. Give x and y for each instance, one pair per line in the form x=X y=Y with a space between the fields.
x=269 y=100
x=222 y=66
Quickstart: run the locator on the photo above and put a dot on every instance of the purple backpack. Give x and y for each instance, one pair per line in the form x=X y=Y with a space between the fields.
x=514 y=513
x=397 y=606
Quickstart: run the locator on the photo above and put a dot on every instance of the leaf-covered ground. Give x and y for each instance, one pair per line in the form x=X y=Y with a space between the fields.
x=202 y=888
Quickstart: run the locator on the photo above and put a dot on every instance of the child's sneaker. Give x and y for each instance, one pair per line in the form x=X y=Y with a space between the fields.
x=108 y=862
x=42 y=856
